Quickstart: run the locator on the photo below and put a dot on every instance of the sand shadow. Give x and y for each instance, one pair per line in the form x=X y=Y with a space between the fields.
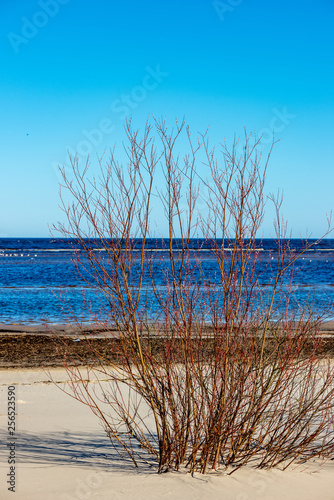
x=71 y=450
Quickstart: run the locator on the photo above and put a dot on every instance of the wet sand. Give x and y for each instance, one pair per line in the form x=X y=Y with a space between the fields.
x=24 y=346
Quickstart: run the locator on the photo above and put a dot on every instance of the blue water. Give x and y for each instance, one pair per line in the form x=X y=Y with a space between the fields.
x=39 y=281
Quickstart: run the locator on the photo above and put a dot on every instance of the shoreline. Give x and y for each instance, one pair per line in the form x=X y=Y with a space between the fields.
x=327 y=327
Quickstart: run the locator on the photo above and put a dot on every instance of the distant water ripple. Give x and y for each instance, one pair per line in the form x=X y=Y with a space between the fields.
x=38 y=280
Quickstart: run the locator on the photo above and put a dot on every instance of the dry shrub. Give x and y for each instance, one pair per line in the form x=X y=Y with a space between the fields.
x=219 y=373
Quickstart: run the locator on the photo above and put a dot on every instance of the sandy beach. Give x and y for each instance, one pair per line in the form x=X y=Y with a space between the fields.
x=62 y=453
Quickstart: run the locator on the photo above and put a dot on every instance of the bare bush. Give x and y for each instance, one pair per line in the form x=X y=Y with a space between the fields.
x=217 y=373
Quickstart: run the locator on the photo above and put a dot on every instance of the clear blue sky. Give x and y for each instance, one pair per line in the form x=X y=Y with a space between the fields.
x=68 y=67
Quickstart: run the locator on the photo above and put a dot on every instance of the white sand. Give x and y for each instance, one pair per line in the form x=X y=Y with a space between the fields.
x=63 y=454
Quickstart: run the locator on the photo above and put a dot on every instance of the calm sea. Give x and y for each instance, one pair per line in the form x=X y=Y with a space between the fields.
x=39 y=282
